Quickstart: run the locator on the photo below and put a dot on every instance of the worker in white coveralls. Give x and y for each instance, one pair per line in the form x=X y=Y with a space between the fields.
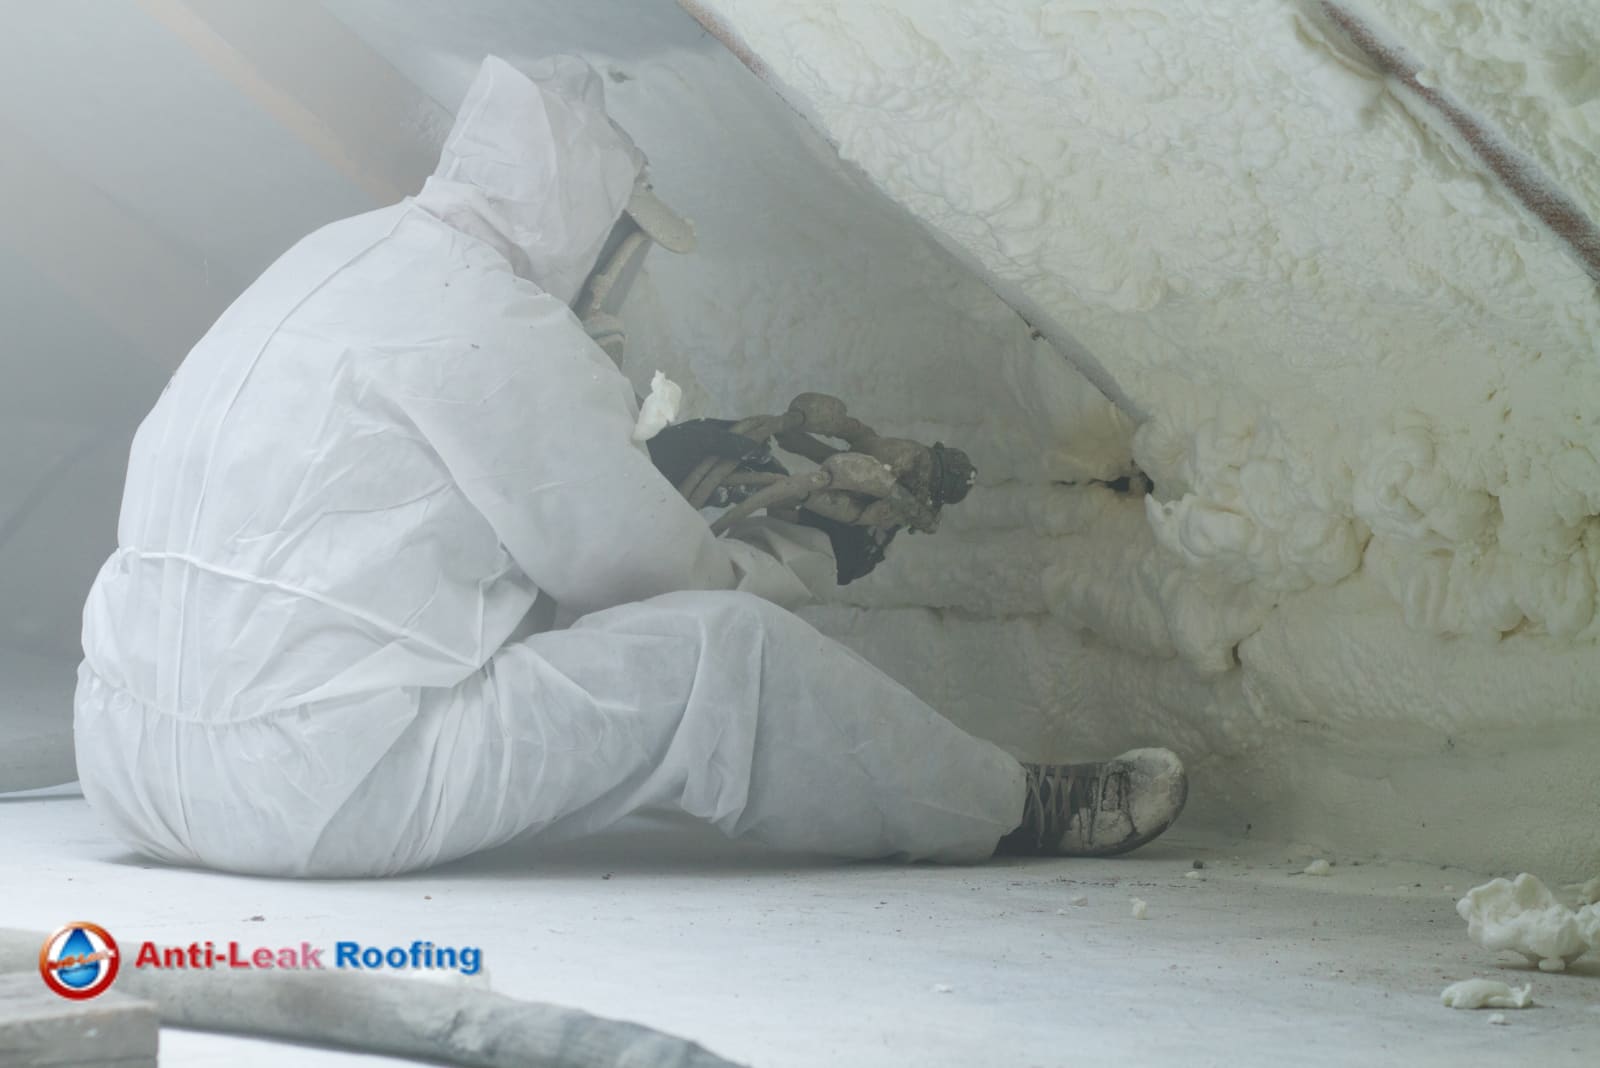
x=323 y=647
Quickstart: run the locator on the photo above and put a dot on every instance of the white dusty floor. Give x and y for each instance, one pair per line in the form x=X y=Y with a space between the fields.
x=774 y=961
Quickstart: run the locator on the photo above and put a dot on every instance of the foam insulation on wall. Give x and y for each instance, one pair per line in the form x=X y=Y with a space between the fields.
x=1365 y=373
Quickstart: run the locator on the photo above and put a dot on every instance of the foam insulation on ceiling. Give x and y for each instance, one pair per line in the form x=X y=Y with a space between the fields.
x=1349 y=343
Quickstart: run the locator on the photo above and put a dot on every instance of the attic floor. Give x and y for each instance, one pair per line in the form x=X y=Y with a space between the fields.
x=777 y=961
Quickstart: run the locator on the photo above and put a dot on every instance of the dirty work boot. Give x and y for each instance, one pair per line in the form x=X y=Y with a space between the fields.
x=1098 y=810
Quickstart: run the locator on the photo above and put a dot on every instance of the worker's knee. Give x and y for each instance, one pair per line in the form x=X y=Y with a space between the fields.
x=724 y=610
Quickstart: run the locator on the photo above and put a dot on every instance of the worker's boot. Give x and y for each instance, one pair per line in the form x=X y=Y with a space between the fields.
x=1098 y=810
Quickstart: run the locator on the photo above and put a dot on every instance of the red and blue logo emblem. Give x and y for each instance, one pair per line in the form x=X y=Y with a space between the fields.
x=79 y=960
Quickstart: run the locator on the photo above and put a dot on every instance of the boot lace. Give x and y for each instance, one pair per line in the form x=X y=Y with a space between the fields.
x=1058 y=792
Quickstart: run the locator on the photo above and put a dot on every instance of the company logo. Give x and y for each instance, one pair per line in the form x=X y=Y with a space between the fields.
x=79 y=960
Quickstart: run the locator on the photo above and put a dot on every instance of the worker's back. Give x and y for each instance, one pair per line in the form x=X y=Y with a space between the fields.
x=279 y=501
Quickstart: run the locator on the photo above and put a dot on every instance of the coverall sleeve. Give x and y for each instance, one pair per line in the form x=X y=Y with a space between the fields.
x=538 y=437
x=785 y=563
x=534 y=424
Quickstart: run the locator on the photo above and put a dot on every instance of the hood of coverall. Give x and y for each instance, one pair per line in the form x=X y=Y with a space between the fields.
x=549 y=174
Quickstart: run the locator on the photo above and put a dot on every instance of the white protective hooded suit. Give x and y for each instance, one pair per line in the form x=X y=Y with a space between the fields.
x=316 y=649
